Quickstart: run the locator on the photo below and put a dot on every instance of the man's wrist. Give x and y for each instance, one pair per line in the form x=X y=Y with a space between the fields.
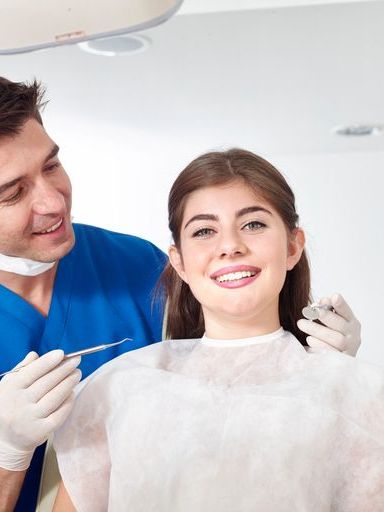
x=10 y=486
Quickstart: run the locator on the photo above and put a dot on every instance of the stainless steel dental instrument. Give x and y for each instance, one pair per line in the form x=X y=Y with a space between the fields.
x=83 y=352
x=97 y=348
x=312 y=312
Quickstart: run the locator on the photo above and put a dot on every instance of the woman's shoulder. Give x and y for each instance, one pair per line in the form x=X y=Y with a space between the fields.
x=333 y=367
x=353 y=388
x=346 y=370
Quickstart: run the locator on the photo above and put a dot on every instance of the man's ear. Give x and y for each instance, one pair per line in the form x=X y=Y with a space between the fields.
x=296 y=243
x=176 y=261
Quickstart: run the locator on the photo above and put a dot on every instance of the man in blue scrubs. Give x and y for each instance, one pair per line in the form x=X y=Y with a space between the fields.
x=64 y=286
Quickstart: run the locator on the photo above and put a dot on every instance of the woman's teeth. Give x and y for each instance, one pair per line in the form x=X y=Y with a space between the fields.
x=52 y=228
x=235 y=276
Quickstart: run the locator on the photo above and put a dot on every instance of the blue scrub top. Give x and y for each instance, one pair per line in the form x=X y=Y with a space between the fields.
x=103 y=292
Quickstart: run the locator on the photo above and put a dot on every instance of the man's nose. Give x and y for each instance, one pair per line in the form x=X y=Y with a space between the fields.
x=47 y=199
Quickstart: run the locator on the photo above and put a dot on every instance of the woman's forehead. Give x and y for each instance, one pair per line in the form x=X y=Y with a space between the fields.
x=232 y=195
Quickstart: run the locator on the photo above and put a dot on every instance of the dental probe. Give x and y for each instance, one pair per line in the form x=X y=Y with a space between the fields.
x=82 y=352
x=97 y=348
x=312 y=312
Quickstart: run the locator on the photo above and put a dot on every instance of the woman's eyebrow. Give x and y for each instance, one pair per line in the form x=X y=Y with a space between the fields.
x=202 y=216
x=215 y=218
x=252 y=209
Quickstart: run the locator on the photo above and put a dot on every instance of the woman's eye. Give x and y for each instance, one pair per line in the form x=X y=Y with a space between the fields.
x=254 y=225
x=202 y=233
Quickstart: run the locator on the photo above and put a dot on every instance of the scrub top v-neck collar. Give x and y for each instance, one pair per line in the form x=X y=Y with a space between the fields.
x=56 y=320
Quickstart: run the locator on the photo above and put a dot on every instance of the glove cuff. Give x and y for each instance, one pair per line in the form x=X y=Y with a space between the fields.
x=15 y=460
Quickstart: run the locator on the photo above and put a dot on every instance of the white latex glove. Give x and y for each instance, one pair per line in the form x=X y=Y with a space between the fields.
x=341 y=329
x=34 y=402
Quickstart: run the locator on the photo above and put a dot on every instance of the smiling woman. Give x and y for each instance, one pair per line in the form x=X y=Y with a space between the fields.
x=235 y=208
x=242 y=417
x=238 y=259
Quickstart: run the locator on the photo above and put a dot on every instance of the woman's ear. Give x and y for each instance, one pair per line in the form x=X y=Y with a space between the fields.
x=296 y=243
x=176 y=261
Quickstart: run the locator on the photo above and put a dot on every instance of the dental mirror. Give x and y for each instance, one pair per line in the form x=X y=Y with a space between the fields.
x=312 y=312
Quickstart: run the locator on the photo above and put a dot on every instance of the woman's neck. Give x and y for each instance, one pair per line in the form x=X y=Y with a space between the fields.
x=229 y=329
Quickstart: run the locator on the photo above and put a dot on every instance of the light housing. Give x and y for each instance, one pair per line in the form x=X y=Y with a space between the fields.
x=32 y=25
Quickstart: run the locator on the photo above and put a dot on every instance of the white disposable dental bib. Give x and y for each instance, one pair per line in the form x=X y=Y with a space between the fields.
x=210 y=426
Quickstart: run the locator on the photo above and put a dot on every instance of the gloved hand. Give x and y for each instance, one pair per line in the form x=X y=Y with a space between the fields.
x=34 y=402
x=341 y=329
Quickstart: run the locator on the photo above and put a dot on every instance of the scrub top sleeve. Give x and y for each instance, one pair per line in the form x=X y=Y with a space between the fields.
x=161 y=257
x=160 y=254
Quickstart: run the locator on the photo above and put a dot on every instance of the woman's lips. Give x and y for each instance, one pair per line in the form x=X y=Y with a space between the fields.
x=235 y=276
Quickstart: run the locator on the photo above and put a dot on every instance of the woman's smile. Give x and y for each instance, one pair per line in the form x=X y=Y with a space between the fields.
x=235 y=276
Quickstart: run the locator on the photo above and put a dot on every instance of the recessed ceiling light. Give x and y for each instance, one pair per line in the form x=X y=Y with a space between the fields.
x=358 y=130
x=125 y=44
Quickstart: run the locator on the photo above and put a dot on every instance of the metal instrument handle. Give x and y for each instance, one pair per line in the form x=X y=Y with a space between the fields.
x=83 y=352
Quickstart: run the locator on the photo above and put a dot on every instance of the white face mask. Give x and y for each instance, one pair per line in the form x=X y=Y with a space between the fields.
x=23 y=266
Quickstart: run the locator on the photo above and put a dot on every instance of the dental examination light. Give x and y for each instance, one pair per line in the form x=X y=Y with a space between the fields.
x=27 y=25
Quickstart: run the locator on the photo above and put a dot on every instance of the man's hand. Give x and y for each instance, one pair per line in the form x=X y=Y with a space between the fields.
x=341 y=329
x=34 y=402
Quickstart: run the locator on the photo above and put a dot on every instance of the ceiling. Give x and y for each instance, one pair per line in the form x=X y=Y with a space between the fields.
x=275 y=79
x=201 y=6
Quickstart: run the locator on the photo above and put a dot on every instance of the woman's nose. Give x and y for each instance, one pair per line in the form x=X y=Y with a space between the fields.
x=231 y=244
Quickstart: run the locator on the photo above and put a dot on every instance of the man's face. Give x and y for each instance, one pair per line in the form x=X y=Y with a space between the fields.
x=35 y=197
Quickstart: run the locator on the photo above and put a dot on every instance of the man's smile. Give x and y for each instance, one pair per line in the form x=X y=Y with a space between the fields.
x=51 y=228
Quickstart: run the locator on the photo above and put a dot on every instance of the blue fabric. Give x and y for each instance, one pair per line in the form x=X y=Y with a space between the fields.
x=103 y=292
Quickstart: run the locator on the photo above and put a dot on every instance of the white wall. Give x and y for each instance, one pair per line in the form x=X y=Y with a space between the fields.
x=121 y=182
x=340 y=200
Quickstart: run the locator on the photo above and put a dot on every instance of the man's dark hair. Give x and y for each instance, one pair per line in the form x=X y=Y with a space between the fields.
x=19 y=101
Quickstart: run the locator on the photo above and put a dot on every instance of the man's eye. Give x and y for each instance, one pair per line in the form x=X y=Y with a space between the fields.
x=12 y=199
x=203 y=232
x=53 y=166
x=254 y=225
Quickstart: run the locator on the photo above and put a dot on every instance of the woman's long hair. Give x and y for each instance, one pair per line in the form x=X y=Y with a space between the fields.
x=184 y=313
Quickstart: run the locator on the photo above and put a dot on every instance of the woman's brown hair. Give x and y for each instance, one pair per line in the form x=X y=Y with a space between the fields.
x=184 y=314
